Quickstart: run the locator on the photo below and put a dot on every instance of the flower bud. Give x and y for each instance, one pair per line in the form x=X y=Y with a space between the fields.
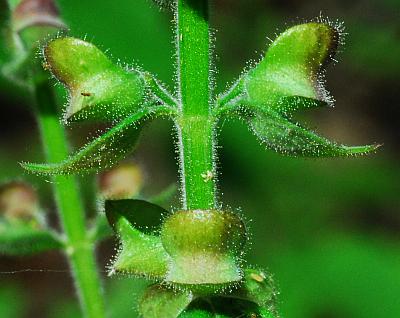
x=122 y=182
x=205 y=247
x=18 y=201
x=35 y=19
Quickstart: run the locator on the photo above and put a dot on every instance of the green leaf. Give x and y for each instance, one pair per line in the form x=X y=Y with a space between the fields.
x=288 y=77
x=104 y=151
x=288 y=138
x=136 y=223
x=99 y=89
x=19 y=239
x=159 y=301
x=198 y=313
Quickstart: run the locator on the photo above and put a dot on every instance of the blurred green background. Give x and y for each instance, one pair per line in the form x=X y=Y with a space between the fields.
x=328 y=229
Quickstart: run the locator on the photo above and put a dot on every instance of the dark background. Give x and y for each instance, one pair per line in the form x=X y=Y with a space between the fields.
x=328 y=229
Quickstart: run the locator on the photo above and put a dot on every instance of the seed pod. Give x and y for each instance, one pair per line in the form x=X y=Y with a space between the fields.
x=18 y=201
x=122 y=182
x=205 y=247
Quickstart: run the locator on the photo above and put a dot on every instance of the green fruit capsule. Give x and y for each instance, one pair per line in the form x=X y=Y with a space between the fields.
x=205 y=247
x=99 y=89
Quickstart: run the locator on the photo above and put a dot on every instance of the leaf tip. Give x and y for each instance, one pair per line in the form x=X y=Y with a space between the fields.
x=361 y=150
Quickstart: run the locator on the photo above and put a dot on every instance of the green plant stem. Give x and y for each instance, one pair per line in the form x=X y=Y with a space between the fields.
x=195 y=124
x=78 y=246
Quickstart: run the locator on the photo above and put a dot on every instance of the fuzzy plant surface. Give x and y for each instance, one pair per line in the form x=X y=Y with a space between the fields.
x=194 y=255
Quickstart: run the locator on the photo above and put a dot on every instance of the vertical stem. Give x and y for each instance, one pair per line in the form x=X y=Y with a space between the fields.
x=79 y=248
x=195 y=125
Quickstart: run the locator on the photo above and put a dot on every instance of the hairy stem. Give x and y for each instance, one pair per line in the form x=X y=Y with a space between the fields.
x=79 y=248
x=195 y=124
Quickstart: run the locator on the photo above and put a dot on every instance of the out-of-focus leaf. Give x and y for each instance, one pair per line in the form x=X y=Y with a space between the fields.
x=141 y=252
x=159 y=302
x=13 y=300
x=102 y=153
x=165 y=195
x=101 y=229
x=25 y=239
x=99 y=89
x=288 y=138
x=5 y=32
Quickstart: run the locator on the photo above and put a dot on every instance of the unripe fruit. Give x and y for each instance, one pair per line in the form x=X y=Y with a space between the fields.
x=205 y=247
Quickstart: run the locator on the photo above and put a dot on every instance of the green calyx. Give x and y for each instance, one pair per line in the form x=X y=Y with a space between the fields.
x=141 y=252
x=205 y=247
x=253 y=297
x=291 y=68
x=287 y=79
x=160 y=301
x=197 y=249
x=99 y=90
